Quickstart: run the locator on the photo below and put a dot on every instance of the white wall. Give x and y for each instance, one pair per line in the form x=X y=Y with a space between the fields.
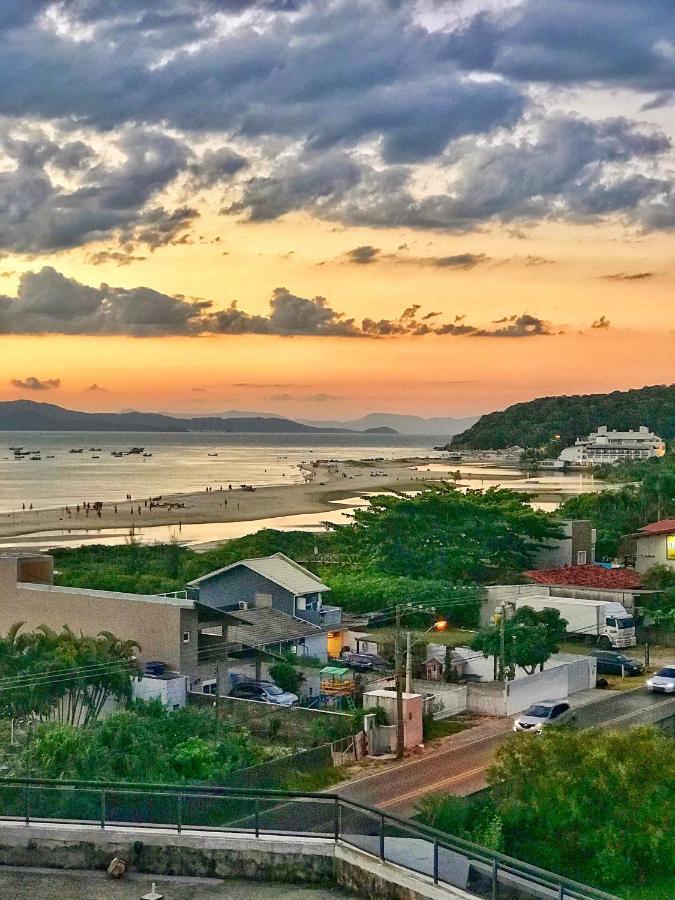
x=172 y=692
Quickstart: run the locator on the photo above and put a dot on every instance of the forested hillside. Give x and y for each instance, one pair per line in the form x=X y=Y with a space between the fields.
x=538 y=422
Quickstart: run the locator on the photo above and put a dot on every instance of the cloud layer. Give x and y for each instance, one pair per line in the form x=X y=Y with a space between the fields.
x=48 y=302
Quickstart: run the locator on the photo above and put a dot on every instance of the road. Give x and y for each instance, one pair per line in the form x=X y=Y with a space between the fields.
x=460 y=768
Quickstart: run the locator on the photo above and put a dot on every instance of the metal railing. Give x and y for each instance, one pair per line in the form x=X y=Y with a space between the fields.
x=432 y=855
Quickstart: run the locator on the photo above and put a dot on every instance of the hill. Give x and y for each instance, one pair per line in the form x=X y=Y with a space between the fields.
x=536 y=423
x=27 y=415
x=401 y=424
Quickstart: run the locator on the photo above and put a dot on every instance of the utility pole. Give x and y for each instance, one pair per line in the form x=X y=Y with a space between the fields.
x=400 y=735
x=408 y=662
x=502 y=645
x=217 y=688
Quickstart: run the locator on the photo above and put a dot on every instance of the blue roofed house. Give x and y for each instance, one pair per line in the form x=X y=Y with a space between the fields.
x=280 y=602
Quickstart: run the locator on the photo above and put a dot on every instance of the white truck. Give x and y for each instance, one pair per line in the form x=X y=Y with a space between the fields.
x=605 y=621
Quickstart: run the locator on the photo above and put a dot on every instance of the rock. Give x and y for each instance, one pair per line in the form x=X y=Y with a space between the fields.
x=117 y=868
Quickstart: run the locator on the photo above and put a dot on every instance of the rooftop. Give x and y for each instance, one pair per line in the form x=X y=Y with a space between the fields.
x=588 y=577
x=664 y=526
x=269 y=626
x=113 y=595
x=278 y=568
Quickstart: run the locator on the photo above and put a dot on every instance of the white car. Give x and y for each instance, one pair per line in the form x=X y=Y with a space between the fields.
x=663 y=682
x=541 y=715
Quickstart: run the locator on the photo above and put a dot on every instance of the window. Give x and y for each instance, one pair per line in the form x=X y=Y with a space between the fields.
x=186 y=637
x=263 y=601
x=581 y=557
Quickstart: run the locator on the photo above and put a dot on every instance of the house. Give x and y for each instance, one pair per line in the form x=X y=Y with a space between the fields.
x=575 y=548
x=172 y=629
x=430 y=670
x=277 y=594
x=605 y=446
x=655 y=545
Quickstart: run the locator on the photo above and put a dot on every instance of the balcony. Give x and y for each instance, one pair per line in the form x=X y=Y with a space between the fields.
x=326 y=617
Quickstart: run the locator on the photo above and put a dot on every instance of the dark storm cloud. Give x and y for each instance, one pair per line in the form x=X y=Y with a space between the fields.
x=617 y=43
x=38 y=213
x=335 y=74
x=36 y=384
x=367 y=254
x=568 y=168
x=50 y=303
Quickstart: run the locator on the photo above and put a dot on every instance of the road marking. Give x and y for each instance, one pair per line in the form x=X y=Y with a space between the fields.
x=430 y=787
x=416 y=762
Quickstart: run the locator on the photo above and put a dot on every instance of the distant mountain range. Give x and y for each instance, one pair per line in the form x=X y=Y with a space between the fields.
x=27 y=415
x=400 y=423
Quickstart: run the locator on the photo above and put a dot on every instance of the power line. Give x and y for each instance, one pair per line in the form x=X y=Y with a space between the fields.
x=55 y=672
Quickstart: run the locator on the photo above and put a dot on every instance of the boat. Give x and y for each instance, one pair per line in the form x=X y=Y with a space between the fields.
x=16 y=449
x=94 y=449
x=96 y=457
x=73 y=450
x=212 y=454
x=146 y=455
x=117 y=453
x=135 y=451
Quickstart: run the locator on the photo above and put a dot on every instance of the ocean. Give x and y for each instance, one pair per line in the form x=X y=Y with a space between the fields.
x=178 y=463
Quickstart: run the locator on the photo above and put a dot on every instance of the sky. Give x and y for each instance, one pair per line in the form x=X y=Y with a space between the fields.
x=323 y=208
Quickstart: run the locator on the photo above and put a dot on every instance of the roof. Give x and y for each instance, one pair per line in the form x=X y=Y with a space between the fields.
x=334 y=670
x=112 y=595
x=278 y=568
x=268 y=626
x=588 y=576
x=662 y=527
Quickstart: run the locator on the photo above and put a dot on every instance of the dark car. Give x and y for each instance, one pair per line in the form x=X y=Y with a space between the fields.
x=611 y=662
x=364 y=662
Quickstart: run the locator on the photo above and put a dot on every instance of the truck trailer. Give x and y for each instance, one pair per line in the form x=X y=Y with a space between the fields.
x=605 y=622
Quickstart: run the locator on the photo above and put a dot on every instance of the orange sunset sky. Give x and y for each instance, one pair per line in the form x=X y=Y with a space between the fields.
x=485 y=203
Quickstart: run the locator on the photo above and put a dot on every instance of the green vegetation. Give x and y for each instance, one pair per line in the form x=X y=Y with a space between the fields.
x=530 y=638
x=286 y=676
x=440 y=728
x=609 y=795
x=661 y=607
x=144 y=743
x=556 y=422
x=61 y=675
x=617 y=513
x=446 y=535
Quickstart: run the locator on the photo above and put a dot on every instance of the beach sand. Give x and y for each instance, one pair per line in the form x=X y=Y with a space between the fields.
x=325 y=483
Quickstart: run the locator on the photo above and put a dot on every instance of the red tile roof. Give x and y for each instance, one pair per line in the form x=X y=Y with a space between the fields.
x=588 y=576
x=662 y=527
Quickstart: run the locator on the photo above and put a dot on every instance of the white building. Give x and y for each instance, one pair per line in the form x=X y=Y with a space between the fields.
x=605 y=446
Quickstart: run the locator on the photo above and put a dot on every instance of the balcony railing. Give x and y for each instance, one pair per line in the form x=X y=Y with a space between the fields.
x=431 y=855
x=326 y=617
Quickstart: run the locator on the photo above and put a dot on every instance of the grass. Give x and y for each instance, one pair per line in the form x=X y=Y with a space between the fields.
x=435 y=729
x=311 y=782
x=453 y=637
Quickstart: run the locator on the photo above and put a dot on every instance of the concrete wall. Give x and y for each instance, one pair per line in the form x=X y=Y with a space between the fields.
x=155 y=625
x=579 y=535
x=652 y=551
x=171 y=691
x=412 y=713
x=289 y=860
x=448 y=699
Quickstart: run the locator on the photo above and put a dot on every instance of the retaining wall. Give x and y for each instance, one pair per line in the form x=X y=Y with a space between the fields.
x=289 y=860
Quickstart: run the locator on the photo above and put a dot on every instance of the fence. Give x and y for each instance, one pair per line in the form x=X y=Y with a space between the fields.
x=298 y=722
x=428 y=853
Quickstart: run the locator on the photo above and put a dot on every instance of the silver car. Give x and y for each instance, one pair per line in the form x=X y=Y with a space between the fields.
x=542 y=714
x=663 y=682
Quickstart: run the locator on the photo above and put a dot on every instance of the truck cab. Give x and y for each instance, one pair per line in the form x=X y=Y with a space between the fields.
x=619 y=628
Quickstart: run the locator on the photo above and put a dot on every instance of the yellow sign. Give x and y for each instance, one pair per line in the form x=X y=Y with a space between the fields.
x=670 y=546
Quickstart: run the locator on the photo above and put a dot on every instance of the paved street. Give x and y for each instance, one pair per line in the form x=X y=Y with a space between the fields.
x=459 y=768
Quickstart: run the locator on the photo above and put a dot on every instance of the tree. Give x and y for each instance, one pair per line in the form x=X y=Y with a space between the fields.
x=596 y=806
x=447 y=535
x=287 y=677
x=530 y=638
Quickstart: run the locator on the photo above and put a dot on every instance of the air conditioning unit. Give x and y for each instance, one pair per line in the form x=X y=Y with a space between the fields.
x=243 y=604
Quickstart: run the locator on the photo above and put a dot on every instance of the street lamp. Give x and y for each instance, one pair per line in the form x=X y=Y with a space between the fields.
x=439 y=625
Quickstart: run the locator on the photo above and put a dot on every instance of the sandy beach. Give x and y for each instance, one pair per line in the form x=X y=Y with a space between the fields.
x=325 y=483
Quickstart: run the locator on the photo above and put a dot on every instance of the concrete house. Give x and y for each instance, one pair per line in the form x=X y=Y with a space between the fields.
x=279 y=596
x=655 y=545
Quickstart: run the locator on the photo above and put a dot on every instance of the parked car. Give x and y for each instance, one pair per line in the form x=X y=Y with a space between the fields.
x=264 y=692
x=610 y=662
x=542 y=714
x=663 y=682
x=364 y=662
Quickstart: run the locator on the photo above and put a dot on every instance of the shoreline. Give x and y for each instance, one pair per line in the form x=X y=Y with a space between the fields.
x=327 y=483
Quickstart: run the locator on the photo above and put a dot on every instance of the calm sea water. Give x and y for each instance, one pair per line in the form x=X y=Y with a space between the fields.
x=179 y=462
